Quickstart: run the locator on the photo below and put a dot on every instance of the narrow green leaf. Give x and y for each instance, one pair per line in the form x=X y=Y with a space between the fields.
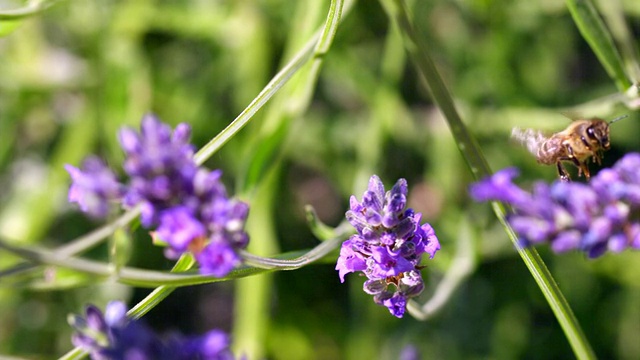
x=34 y=8
x=594 y=31
x=614 y=17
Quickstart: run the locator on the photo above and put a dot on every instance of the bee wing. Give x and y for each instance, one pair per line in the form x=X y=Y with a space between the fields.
x=529 y=138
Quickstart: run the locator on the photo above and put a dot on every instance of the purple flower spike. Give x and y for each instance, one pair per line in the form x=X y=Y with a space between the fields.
x=94 y=187
x=187 y=205
x=389 y=245
x=114 y=336
x=595 y=217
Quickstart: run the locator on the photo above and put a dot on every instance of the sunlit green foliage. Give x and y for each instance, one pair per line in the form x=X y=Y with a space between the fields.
x=72 y=75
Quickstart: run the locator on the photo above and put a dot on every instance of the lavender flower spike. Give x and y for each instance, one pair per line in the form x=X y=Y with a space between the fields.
x=388 y=247
x=595 y=217
x=188 y=205
x=114 y=336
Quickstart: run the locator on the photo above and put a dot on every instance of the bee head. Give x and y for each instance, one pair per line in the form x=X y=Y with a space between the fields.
x=598 y=132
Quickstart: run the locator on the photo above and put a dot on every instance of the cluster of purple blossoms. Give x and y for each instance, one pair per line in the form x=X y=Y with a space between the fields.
x=114 y=336
x=388 y=247
x=591 y=217
x=187 y=204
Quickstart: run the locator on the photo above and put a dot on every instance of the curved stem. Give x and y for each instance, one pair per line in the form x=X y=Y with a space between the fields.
x=81 y=243
x=594 y=31
x=315 y=254
x=278 y=81
x=33 y=8
x=149 y=278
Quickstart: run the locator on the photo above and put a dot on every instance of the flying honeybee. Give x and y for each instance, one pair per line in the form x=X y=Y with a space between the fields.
x=580 y=141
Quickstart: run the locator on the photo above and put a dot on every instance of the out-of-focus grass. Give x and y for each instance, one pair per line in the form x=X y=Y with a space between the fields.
x=69 y=78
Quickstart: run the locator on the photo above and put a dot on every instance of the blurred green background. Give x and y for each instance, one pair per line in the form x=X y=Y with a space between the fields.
x=71 y=76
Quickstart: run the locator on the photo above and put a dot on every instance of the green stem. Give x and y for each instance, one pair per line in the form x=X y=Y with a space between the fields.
x=472 y=154
x=81 y=243
x=148 y=278
x=278 y=81
x=594 y=31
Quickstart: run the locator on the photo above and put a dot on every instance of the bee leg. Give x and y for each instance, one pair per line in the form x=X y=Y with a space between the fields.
x=582 y=166
x=585 y=170
x=562 y=172
x=597 y=157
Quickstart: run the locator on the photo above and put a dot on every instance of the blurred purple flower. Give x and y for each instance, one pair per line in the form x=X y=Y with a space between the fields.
x=187 y=204
x=94 y=187
x=410 y=352
x=595 y=217
x=389 y=245
x=114 y=336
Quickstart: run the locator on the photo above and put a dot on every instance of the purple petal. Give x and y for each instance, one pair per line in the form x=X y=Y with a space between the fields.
x=375 y=193
x=129 y=140
x=178 y=227
x=617 y=243
x=349 y=260
x=565 y=241
x=499 y=187
x=115 y=314
x=432 y=245
x=95 y=319
x=94 y=187
x=397 y=304
x=383 y=265
x=217 y=259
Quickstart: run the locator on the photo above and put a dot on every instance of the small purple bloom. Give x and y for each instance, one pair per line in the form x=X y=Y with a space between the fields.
x=594 y=217
x=94 y=187
x=410 y=352
x=114 y=336
x=389 y=245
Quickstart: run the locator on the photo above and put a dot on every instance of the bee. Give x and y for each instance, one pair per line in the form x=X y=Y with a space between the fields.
x=582 y=140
